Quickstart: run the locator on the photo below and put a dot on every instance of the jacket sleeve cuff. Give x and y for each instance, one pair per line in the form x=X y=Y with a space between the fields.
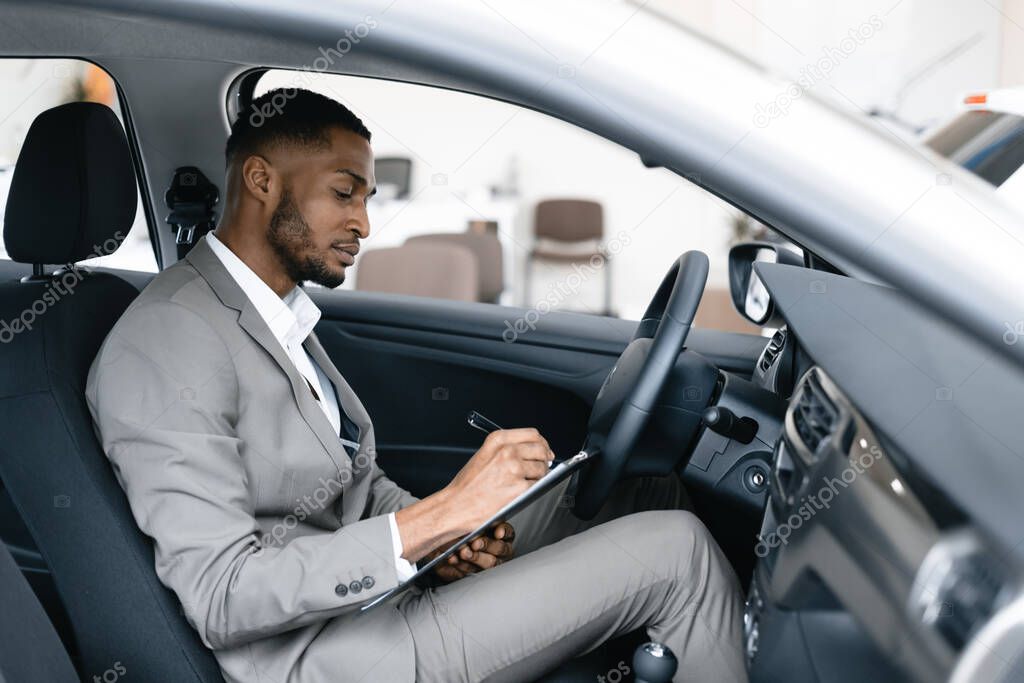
x=403 y=567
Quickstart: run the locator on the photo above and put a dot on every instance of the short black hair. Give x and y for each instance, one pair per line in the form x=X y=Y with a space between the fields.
x=290 y=116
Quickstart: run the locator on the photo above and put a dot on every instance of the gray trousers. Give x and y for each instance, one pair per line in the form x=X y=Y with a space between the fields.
x=572 y=585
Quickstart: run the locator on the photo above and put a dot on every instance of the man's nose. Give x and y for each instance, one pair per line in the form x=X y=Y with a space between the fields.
x=360 y=223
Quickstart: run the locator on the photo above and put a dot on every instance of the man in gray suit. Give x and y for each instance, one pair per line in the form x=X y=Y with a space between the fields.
x=250 y=462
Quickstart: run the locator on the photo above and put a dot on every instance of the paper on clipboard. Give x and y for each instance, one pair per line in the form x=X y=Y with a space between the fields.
x=544 y=484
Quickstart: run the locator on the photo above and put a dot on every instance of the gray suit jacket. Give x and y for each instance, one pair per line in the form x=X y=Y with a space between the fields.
x=264 y=527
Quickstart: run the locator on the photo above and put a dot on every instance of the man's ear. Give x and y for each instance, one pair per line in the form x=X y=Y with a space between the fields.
x=261 y=180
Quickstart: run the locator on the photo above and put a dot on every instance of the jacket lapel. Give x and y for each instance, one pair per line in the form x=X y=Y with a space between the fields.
x=231 y=294
x=350 y=403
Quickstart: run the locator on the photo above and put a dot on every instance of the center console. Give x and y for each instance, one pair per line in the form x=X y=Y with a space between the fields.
x=858 y=577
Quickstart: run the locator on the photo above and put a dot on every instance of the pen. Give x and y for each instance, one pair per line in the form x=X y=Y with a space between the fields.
x=486 y=425
x=478 y=421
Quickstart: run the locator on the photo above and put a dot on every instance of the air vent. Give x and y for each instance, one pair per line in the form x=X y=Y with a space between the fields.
x=958 y=587
x=771 y=352
x=814 y=415
x=965 y=598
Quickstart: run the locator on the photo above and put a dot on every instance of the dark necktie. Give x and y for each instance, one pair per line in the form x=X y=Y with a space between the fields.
x=349 y=431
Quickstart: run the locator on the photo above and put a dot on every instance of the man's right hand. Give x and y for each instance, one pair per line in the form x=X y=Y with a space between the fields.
x=508 y=463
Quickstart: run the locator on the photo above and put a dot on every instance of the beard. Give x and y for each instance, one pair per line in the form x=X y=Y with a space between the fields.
x=291 y=238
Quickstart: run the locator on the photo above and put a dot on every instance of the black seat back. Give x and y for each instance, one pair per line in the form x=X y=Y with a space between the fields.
x=73 y=194
x=29 y=647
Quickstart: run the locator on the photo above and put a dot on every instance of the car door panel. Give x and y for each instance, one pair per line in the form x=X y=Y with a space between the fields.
x=420 y=365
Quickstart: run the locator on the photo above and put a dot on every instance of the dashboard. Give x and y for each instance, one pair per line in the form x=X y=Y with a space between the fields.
x=889 y=548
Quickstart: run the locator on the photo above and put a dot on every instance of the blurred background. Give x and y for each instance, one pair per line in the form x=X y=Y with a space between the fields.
x=483 y=200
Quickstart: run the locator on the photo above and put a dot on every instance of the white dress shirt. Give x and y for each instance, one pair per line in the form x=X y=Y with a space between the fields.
x=291 y=319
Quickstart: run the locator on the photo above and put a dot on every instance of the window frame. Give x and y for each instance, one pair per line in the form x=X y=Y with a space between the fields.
x=240 y=95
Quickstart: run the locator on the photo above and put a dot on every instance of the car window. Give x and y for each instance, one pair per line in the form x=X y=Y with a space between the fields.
x=35 y=85
x=450 y=163
x=990 y=144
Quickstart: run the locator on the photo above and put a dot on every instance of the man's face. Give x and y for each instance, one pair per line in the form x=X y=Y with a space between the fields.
x=321 y=216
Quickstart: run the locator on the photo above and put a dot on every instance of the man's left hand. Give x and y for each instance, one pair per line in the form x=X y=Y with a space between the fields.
x=483 y=552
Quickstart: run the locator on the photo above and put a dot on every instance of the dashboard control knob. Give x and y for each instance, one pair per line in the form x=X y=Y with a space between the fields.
x=723 y=421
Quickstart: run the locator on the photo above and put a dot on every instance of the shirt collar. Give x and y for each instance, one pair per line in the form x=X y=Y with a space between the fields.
x=291 y=319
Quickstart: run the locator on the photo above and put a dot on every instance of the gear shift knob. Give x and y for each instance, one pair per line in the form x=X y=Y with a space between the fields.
x=654 y=663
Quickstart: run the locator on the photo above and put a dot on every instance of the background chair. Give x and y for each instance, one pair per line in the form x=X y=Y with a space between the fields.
x=488 y=254
x=562 y=223
x=717 y=312
x=445 y=271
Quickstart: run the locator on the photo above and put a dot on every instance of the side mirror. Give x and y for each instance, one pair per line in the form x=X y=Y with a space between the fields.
x=749 y=295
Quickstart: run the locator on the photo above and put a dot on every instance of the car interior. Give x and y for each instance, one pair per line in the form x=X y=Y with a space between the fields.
x=837 y=502
x=93 y=566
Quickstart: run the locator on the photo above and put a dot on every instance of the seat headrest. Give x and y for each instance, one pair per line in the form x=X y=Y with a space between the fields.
x=73 y=188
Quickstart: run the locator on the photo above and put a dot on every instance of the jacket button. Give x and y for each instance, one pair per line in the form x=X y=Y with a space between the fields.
x=341 y=589
x=355 y=586
x=368 y=582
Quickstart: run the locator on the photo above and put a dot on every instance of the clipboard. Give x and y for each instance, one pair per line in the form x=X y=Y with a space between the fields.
x=555 y=475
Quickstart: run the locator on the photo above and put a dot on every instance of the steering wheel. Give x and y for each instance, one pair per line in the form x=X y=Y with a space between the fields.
x=628 y=394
